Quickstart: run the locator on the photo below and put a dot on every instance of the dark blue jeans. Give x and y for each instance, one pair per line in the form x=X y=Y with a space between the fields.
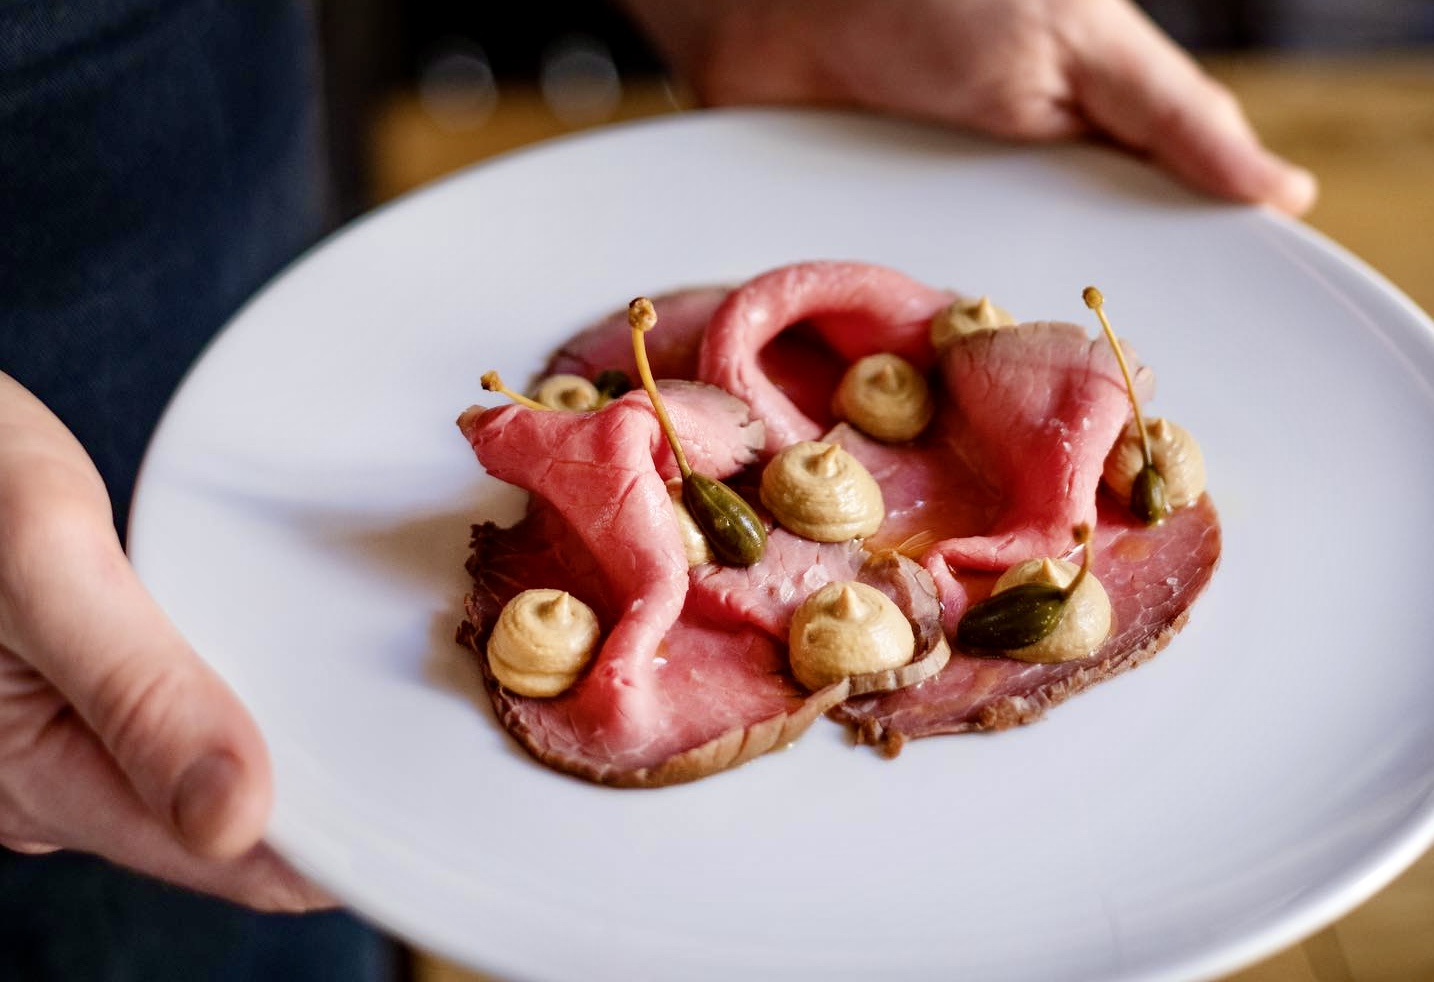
x=158 y=162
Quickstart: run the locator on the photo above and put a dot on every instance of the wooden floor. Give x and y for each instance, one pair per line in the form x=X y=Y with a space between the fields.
x=1364 y=125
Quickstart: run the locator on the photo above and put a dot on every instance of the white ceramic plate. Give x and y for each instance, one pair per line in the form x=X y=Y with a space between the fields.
x=304 y=509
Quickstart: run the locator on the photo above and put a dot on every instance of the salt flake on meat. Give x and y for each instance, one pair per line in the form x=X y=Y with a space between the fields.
x=858 y=309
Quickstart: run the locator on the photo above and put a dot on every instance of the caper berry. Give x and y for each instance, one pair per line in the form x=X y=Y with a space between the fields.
x=611 y=383
x=731 y=527
x=1025 y=613
x=1013 y=618
x=1148 y=499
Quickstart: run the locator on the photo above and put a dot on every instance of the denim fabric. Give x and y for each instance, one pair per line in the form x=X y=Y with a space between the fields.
x=157 y=165
x=71 y=918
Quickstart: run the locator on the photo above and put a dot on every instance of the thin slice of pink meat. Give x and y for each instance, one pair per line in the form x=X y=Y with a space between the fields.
x=767 y=594
x=856 y=308
x=930 y=490
x=1152 y=576
x=716 y=694
x=696 y=679
x=670 y=696
x=717 y=431
x=672 y=346
x=1035 y=410
x=596 y=470
x=722 y=690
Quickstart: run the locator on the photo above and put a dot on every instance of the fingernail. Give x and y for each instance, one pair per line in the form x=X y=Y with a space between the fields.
x=1299 y=191
x=202 y=800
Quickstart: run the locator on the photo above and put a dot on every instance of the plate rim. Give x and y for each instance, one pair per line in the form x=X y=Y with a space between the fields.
x=1337 y=896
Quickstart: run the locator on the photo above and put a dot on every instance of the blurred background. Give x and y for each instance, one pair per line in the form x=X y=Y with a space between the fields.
x=418 y=88
x=1345 y=87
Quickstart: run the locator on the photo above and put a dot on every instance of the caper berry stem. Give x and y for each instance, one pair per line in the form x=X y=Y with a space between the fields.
x=493 y=382
x=1082 y=537
x=726 y=521
x=642 y=317
x=1148 y=499
x=1095 y=300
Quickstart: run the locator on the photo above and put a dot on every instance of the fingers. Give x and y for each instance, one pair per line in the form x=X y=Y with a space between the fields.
x=71 y=793
x=72 y=608
x=1135 y=84
x=180 y=736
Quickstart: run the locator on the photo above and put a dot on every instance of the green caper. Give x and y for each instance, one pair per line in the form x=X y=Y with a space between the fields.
x=729 y=524
x=1148 y=499
x=1025 y=613
x=611 y=383
x=1013 y=618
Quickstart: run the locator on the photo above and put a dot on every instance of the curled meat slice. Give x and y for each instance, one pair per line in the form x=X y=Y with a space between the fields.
x=858 y=309
x=599 y=471
x=682 y=316
x=596 y=471
x=913 y=592
x=1035 y=409
x=687 y=681
x=714 y=694
x=717 y=431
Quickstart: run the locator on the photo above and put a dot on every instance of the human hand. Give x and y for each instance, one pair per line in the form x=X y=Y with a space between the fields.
x=115 y=738
x=1021 y=69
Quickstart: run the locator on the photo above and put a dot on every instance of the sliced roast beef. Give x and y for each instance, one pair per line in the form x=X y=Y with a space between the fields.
x=596 y=470
x=1012 y=461
x=692 y=675
x=718 y=434
x=856 y=309
x=1009 y=466
x=682 y=316
x=1035 y=410
x=768 y=594
x=1152 y=576
x=686 y=682
x=713 y=694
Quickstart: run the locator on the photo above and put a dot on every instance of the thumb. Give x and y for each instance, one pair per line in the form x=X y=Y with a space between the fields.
x=80 y=616
x=73 y=609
